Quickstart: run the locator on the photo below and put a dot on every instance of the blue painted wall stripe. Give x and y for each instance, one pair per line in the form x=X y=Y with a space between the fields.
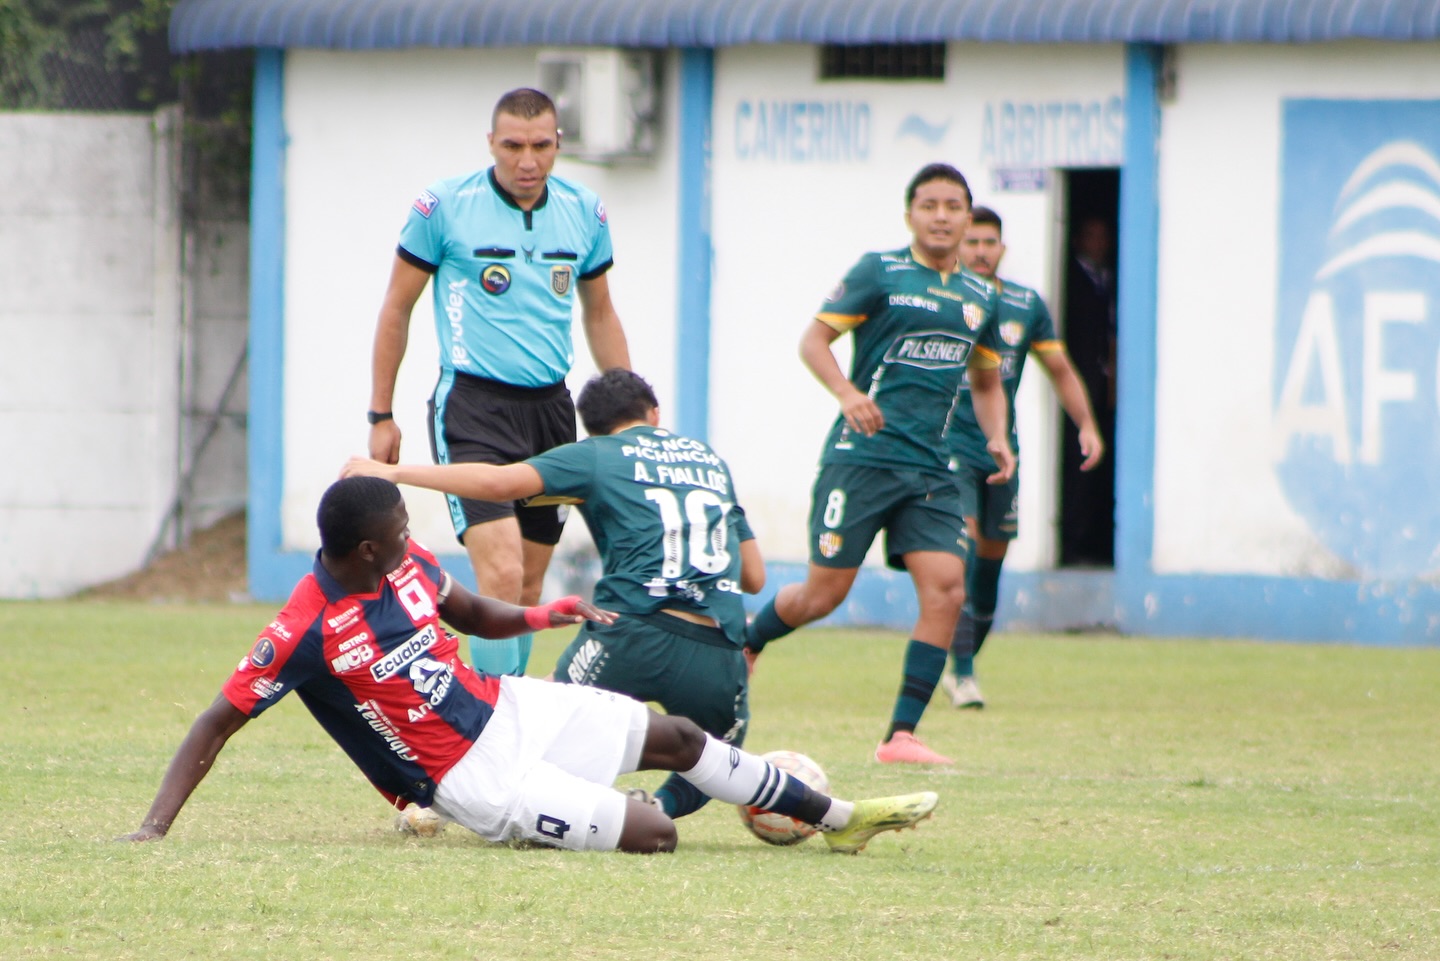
x=693 y=268
x=1136 y=310
x=266 y=424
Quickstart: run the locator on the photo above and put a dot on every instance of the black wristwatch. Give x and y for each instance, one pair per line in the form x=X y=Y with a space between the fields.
x=375 y=416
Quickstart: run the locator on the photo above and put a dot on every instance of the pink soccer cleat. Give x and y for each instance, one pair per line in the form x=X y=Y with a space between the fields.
x=905 y=748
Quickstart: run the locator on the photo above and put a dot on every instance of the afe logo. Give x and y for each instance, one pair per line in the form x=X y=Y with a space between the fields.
x=1357 y=396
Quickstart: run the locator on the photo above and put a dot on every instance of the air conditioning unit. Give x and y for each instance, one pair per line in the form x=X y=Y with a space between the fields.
x=608 y=101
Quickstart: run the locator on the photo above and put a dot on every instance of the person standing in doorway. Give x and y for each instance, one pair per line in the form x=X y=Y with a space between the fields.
x=509 y=248
x=1088 y=526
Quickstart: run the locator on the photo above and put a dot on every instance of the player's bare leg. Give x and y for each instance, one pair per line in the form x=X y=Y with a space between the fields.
x=497 y=557
x=796 y=605
x=940 y=589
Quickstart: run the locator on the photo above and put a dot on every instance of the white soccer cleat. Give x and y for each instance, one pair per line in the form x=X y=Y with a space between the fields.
x=963 y=691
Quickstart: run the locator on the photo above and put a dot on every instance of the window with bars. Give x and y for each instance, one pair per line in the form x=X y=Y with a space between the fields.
x=882 y=61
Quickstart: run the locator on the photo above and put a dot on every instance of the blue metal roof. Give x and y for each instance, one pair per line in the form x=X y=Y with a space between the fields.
x=399 y=24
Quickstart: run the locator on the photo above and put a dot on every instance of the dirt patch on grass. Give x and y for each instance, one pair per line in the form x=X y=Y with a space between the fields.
x=210 y=569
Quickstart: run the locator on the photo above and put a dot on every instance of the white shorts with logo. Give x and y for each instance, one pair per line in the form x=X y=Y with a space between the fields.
x=543 y=768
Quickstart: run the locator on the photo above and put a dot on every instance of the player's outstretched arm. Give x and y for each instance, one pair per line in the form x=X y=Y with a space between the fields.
x=608 y=346
x=992 y=411
x=752 y=567
x=481 y=482
x=192 y=761
x=1076 y=401
x=487 y=617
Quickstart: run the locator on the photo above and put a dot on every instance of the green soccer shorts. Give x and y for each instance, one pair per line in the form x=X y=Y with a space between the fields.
x=852 y=503
x=995 y=507
x=688 y=669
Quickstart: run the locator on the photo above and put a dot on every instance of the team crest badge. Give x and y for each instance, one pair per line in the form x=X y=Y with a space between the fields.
x=495 y=279
x=560 y=279
x=830 y=543
x=1011 y=331
x=974 y=316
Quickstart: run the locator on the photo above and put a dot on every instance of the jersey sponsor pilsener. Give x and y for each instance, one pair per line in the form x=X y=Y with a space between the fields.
x=1024 y=325
x=915 y=331
x=505 y=278
x=662 y=511
x=378 y=672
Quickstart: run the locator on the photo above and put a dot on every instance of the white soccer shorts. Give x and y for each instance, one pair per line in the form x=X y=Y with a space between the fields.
x=543 y=768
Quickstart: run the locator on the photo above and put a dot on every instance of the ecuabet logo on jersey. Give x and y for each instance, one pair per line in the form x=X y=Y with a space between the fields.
x=1357 y=333
x=829 y=543
x=974 y=316
x=495 y=279
x=560 y=277
x=1012 y=332
x=426 y=203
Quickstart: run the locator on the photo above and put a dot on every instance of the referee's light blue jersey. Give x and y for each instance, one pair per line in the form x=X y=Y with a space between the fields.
x=505 y=278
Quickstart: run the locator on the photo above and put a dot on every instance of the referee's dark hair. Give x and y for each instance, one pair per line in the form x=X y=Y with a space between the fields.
x=931 y=172
x=984 y=215
x=616 y=397
x=349 y=510
x=525 y=103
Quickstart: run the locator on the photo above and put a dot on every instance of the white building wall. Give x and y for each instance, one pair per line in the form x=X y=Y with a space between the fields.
x=367 y=132
x=799 y=199
x=1219 y=502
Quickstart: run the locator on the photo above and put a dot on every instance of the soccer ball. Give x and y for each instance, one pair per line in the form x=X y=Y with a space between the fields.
x=419 y=822
x=778 y=828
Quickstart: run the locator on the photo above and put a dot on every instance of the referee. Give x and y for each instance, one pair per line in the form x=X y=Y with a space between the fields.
x=509 y=248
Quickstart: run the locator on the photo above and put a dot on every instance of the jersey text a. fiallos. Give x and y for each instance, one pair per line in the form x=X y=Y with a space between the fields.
x=378 y=672
x=915 y=331
x=505 y=278
x=662 y=511
x=1024 y=325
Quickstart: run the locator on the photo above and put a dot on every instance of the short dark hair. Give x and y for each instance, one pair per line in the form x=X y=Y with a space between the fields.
x=984 y=215
x=616 y=397
x=348 y=512
x=931 y=172
x=525 y=103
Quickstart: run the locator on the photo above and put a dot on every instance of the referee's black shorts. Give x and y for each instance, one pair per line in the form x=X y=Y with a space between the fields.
x=475 y=420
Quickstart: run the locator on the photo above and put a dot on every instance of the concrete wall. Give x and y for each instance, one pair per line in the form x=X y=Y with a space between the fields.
x=98 y=326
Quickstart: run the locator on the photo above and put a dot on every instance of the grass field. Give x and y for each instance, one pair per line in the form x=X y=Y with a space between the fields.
x=1119 y=799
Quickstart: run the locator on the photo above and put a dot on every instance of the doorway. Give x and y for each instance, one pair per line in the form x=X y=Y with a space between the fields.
x=1087 y=317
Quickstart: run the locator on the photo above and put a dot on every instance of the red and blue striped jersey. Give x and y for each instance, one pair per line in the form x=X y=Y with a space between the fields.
x=378 y=671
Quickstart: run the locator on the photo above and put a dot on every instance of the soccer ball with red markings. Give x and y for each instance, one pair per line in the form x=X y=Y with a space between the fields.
x=778 y=828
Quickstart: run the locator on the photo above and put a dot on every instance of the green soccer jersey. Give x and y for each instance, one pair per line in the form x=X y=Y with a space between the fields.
x=915 y=330
x=1024 y=325
x=661 y=509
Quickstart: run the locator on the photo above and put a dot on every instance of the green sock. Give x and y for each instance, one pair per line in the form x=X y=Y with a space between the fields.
x=765 y=628
x=983 y=594
x=962 y=646
x=923 y=665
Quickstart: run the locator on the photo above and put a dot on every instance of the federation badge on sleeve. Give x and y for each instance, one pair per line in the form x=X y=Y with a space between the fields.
x=560 y=277
x=830 y=543
x=600 y=213
x=836 y=293
x=426 y=203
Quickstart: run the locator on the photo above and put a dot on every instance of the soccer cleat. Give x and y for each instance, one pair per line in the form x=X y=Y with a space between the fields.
x=905 y=748
x=963 y=691
x=872 y=816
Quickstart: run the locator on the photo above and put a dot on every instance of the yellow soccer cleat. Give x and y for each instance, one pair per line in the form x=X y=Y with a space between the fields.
x=881 y=814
